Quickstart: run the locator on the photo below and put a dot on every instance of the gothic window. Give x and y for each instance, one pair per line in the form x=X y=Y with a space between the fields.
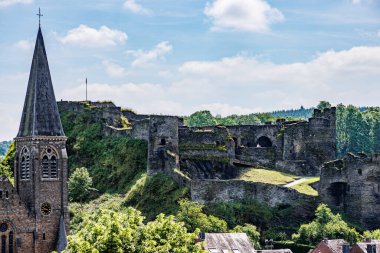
x=45 y=167
x=53 y=167
x=25 y=164
x=10 y=243
x=49 y=164
x=3 y=244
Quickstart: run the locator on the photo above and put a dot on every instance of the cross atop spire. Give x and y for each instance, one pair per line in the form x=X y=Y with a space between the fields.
x=39 y=16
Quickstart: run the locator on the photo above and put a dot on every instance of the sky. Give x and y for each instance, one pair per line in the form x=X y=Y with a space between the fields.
x=177 y=57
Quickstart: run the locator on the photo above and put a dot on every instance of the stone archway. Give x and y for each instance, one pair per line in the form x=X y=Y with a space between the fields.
x=264 y=142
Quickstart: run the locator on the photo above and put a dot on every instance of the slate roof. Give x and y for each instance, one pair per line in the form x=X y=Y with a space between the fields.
x=40 y=116
x=363 y=245
x=274 y=251
x=62 y=237
x=217 y=242
x=335 y=245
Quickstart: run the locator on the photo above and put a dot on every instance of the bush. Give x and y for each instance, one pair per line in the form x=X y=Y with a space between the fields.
x=191 y=214
x=80 y=185
x=252 y=233
x=325 y=225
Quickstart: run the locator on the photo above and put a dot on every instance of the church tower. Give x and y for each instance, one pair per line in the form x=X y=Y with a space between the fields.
x=41 y=168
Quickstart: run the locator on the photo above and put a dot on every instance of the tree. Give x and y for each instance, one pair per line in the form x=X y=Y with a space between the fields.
x=191 y=214
x=80 y=185
x=374 y=234
x=166 y=235
x=7 y=163
x=201 y=118
x=325 y=225
x=107 y=231
x=323 y=105
x=252 y=233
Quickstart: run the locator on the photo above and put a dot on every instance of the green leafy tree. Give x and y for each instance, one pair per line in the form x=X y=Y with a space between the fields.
x=325 y=225
x=7 y=163
x=323 y=105
x=201 y=118
x=374 y=234
x=80 y=185
x=252 y=233
x=107 y=231
x=166 y=235
x=191 y=214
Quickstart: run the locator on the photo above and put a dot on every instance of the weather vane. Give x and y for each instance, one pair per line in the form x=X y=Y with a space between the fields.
x=39 y=16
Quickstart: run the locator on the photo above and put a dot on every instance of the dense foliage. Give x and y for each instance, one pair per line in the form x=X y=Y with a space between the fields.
x=325 y=225
x=155 y=195
x=358 y=131
x=191 y=214
x=80 y=185
x=111 y=161
x=7 y=163
x=109 y=231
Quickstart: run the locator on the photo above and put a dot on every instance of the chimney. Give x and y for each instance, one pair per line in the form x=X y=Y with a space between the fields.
x=345 y=248
x=371 y=248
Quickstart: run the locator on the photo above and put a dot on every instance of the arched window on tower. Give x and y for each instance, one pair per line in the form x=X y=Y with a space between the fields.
x=25 y=164
x=10 y=242
x=49 y=164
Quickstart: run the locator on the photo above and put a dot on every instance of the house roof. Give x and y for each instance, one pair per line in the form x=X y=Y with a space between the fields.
x=221 y=242
x=363 y=245
x=274 y=251
x=40 y=116
x=334 y=246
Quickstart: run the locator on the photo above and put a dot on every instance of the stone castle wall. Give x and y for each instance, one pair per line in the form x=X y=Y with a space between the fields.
x=352 y=185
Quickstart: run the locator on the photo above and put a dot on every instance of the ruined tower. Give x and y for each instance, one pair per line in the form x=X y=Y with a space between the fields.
x=36 y=217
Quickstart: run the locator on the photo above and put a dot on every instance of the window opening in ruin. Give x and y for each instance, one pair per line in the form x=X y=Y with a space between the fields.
x=44 y=236
x=360 y=172
x=1 y=194
x=163 y=141
x=6 y=194
x=236 y=141
x=264 y=142
x=338 y=192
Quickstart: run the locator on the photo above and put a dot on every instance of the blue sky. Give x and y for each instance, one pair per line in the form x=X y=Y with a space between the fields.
x=176 y=57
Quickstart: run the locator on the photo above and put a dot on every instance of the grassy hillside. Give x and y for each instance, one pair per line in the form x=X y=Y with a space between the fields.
x=267 y=176
x=111 y=161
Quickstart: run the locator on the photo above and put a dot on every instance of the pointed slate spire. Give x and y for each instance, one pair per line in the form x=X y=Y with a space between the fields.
x=40 y=116
x=62 y=237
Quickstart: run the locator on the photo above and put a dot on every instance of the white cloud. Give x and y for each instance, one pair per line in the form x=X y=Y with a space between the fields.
x=246 y=15
x=242 y=85
x=145 y=57
x=113 y=69
x=24 y=44
x=356 y=1
x=134 y=7
x=90 y=37
x=6 y=3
